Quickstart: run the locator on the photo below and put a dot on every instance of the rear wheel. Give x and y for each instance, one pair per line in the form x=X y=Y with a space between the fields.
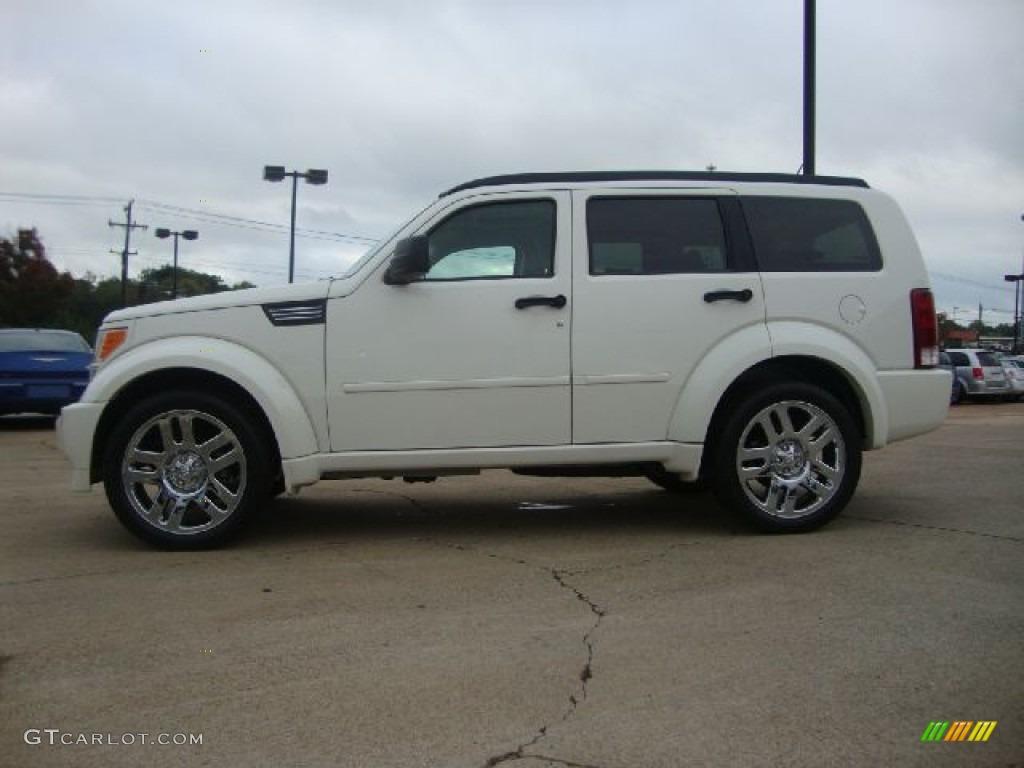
x=788 y=458
x=184 y=470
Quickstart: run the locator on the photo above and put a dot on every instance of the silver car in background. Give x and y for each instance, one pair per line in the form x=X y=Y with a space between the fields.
x=979 y=375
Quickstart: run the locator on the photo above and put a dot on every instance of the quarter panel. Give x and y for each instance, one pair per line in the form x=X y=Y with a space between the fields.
x=288 y=416
x=806 y=339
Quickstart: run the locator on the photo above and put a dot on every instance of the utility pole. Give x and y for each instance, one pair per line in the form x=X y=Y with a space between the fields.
x=128 y=227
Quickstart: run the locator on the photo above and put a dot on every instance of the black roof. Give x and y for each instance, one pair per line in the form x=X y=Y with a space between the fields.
x=599 y=176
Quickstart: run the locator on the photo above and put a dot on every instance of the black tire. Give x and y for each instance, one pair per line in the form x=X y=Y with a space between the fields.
x=186 y=469
x=783 y=477
x=958 y=394
x=672 y=483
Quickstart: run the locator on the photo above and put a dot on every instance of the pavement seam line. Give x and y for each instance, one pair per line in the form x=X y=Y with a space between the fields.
x=933 y=528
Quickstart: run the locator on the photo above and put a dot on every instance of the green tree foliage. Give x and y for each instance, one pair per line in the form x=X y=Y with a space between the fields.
x=157 y=284
x=34 y=294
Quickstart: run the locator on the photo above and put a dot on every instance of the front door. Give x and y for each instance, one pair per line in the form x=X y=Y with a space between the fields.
x=474 y=355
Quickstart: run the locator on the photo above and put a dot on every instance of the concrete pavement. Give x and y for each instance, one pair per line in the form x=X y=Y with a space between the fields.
x=524 y=622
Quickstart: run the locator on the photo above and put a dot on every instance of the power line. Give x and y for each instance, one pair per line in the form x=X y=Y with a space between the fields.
x=185 y=213
x=968 y=281
x=26 y=197
x=250 y=223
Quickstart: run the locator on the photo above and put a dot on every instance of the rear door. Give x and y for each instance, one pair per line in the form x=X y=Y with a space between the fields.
x=660 y=278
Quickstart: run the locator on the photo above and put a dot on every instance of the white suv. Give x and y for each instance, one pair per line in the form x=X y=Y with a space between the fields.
x=752 y=332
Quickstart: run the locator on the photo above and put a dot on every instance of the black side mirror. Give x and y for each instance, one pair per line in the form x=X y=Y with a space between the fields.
x=410 y=262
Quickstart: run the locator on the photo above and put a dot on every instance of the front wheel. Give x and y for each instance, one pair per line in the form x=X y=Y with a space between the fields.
x=184 y=470
x=788 y=458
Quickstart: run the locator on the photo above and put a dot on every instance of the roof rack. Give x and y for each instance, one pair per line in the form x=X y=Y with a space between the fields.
x=600 y=176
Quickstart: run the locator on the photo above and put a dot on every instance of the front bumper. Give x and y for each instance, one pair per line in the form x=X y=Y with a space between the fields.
x=76 y=427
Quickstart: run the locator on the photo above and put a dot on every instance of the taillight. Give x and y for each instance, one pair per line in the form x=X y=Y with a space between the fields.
x=978 y=373
x=926 y=328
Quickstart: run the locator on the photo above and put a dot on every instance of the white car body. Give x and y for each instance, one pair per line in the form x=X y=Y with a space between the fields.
x=357 y=377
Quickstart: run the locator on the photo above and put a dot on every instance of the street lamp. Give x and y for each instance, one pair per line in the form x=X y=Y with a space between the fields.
x=312 y=176
x=1015 y=279
x=188 y=234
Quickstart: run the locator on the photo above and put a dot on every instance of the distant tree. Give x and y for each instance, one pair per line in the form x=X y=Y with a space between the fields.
x=90 y=301
x=156 y=284
x=948 y=324
x=34 y=294
x=31 y=288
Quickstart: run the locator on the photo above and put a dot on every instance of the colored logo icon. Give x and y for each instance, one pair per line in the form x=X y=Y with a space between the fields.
x=959 y=730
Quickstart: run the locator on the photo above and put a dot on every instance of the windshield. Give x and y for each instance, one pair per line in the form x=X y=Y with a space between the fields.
x=361 y=261
x=370 y=254
x=42 y=341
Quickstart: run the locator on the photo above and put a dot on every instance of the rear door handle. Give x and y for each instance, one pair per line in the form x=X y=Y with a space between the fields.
x=742 y=296
x=557 y=302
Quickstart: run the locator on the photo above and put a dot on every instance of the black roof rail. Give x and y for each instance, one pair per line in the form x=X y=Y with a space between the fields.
x=600 y=176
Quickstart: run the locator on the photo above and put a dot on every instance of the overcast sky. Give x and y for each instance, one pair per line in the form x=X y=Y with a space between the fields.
x=182 y=104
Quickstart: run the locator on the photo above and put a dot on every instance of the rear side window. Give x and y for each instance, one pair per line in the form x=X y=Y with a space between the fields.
x=793 y=234
x=959 y=358
x=655 y=236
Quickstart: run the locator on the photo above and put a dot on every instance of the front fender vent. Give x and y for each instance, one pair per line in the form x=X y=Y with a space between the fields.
x=297 y=312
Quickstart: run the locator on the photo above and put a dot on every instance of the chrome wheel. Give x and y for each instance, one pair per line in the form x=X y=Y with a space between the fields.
x=791 y=459
x=184 y=472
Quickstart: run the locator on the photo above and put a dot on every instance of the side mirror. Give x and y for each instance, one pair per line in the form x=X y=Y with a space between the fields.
x=410 y=262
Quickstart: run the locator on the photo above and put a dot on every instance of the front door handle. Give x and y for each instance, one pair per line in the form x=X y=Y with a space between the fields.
x=742 y=296
x=557 y=302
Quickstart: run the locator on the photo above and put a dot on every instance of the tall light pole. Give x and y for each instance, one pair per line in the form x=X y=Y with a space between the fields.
x=1016 y=280
x=188 y=234
x=312 y=176
x=810 y=47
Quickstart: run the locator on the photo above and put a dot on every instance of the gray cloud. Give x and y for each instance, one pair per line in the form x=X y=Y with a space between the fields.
x=400 y=100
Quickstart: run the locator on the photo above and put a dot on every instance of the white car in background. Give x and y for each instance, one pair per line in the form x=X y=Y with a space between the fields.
x=1013 y=367
x=754 y=332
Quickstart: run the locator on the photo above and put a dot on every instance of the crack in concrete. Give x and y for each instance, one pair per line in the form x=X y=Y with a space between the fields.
x=545 y=759
x=586 y=673
x=630 y=564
